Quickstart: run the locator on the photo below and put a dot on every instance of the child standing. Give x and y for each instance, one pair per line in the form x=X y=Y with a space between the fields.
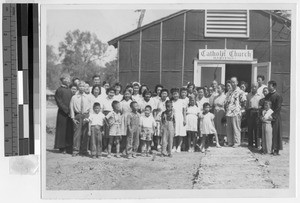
x=180 y=117
x=96 y=122
x=184 y=97
x=267 y=128
x=192 y=123
x=133 y=126
x=207 y=126
x=147 y=124
x=161 y=107
x=168 y=129
x=107 y=107
x=125 y=110
x=114 y=120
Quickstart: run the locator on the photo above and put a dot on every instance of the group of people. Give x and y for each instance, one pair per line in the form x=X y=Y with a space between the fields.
x=99 y=117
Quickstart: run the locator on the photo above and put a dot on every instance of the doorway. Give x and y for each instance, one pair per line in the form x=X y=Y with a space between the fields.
x=243 y=72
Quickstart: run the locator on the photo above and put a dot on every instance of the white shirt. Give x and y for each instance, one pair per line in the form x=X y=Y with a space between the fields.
x=201 y=102
x=260 y=90
x=162 y=104
x=151 y=103
x=107 y=104
x=136 y=98
x=267 y=115
x=98 y=99
x=147 y=122
x=118 y=97
x=75 y=104
x=125 y=106
x=97 y=119
x=186 y=102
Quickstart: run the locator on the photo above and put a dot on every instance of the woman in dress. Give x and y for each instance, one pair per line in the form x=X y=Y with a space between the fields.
x=180 y=118
x=219 y=112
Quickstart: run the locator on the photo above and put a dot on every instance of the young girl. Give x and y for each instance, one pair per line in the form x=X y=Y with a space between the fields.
x=96 y=92
x=207 y=126
x=180 y=117
x=267 y=128
x=125 y=110
x=142 y=89
x=147 y=101
x=190 y=88
x=201 y=99
x=133 y=135
x=135 y=95
x=183 y=96
x=192 y=123
x=147 y=125
x=96 y=122
x=161 y=107
x=157 y=91
x=107 y=107
x=114 y=121
x=118 y=88
x=168 y=129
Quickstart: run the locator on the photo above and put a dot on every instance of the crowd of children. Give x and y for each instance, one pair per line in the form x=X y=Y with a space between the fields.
x=140 y=121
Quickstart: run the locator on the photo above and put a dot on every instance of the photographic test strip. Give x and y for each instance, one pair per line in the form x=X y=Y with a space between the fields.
x=20 y=38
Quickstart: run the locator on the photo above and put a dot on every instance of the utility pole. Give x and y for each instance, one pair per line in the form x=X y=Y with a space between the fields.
x=142 y=14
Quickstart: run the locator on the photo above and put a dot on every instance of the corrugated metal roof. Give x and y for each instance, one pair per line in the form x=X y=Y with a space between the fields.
x=114 y=41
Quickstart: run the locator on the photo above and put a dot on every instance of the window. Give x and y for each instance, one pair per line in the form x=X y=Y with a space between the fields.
x=227 y=23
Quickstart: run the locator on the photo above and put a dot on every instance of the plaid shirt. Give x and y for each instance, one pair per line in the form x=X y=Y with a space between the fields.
x=235 y=100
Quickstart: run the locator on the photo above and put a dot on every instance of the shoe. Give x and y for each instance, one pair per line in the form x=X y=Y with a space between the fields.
x=143 y=155
x=170 y=155
x=118 y=156
x=133 y=156
x=109 y=156
x=178 y=149
x=85 y=154
x=158 y=147
x=129 y=156
x=174 y=149
x=94 y=157
x=99 y=156
x=234 y=146
x=218 y=146
x=164 y=154
x=202 y=150
x=74 y=154
x=190 y=150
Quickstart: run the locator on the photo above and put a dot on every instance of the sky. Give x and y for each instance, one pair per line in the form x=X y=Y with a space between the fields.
x=106 y=24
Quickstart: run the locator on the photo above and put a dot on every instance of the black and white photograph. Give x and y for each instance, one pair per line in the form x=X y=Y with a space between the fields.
x=163 y=98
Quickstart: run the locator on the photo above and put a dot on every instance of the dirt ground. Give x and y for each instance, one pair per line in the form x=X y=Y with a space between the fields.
x=218 y=168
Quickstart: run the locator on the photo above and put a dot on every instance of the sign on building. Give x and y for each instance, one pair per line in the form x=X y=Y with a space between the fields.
x=226 y=54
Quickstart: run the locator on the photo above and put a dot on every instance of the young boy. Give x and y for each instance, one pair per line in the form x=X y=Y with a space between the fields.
x=96 y=122
x=133 y=136
x=168 y=131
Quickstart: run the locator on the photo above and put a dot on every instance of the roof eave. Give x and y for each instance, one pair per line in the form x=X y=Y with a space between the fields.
x=114 y=41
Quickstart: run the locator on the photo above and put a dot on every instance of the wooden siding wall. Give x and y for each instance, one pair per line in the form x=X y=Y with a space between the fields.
x=168 y=49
